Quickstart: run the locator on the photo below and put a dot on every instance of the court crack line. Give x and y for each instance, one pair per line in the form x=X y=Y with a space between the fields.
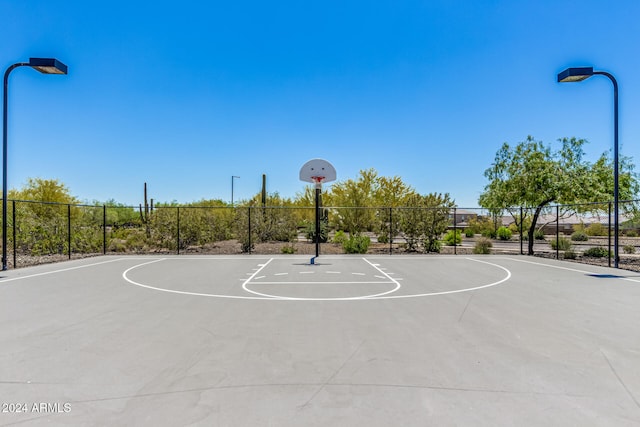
x=331 y=377
x=620 y=379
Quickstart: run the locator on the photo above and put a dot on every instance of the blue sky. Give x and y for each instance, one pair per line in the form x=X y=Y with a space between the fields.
x=183 y=95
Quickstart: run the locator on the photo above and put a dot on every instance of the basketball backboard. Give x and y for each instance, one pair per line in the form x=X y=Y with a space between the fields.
x=317 y=171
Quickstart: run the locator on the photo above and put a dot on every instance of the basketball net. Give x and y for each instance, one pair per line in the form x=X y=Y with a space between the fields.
x=318 y=180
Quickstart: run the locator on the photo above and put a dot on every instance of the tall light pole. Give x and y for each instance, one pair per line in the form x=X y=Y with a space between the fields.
x=577 y=75
x=45 y=66
x=232 y=178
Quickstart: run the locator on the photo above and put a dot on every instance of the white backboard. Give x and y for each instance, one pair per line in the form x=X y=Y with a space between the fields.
x=317 y=170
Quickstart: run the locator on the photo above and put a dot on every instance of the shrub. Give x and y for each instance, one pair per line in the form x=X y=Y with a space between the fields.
x=596 y=229
x=561 y=244
x=340 y=237
x=310 y=231
x=632 y=233
x=579 y=236
x=570 y=254
x=383 y=238
x=453 y=239
x=504 y=233
x=483 y=246
x=629 y=249
x=288 y=249
x=431 y=245
x=468 y=232
x=538 y=235
x=597 y=252
x=356 y=244
x=490 y=234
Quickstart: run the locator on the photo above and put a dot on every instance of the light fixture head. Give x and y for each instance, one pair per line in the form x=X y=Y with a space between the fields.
x=576 y=74
x=48 y=65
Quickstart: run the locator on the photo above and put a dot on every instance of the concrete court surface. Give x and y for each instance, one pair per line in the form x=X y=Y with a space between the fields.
x=352 y=341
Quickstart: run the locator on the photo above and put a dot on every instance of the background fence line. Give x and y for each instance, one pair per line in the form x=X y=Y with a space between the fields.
x=45 y=231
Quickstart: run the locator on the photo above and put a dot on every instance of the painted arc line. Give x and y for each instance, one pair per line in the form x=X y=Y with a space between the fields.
x=272 y=298
x=171 y=291
x=457 y=291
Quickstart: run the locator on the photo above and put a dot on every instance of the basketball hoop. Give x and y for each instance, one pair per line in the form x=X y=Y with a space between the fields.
x=317 y=171
x=318 y=180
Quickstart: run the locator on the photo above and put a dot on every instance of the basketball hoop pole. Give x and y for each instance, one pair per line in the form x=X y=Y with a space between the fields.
x=318 y=181
x=317 y=171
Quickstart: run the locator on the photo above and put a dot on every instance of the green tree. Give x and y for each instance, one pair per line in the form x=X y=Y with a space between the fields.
x=424 y=220
x=42 y=227
x=531 y=175
x=355 y=198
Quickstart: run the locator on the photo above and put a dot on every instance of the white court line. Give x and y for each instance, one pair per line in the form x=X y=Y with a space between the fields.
x=171 y=291
x=60 y=270
x=361 y=297
x=321 y=283
x=571 y=269
x=457 y=291
x=264 y=297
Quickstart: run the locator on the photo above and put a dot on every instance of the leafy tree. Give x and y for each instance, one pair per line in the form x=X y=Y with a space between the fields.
x=391 y=193
x=424 y=220
x=357 y=196
x=42 y=227
x=531 y=175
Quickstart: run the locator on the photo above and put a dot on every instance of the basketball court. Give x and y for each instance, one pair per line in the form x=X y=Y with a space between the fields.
x=346 y=341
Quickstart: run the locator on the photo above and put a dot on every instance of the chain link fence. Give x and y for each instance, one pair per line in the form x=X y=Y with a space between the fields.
x=40 y=232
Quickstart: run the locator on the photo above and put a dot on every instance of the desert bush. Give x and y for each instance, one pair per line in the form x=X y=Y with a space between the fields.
x=340 y=237
x=288 y=249
x=562 y=244
x=483 y=246
x=538 y=235
x=356 y=244
x=310 y=231
x=383 y=238
x=570 y=254
x=579 y=236
x=632 y=233
x=597 y=252
x=596 y=229
x=504 y=233
x=629 y=249
x=452 y=238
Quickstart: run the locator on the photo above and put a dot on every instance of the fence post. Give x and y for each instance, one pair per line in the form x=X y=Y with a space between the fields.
x=104 y=229
x=557 y=231
x=521 y=219
x=69 y=229
x=609 y=245
x=178 y=229
x=455 y=233
x=390 y=231
x=13 y=214
x=249 y=235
